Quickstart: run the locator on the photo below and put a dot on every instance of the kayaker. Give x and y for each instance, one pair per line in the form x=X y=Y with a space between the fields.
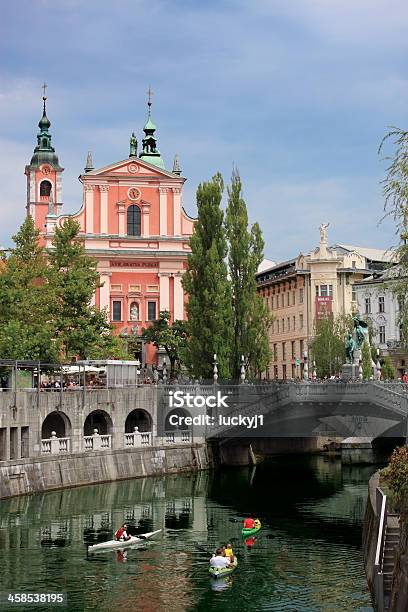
x=121 y=535
x=219 y=560
x=228 y=552
x=249 y=523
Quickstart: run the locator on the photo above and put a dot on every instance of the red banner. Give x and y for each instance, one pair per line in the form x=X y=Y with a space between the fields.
x=324 y=307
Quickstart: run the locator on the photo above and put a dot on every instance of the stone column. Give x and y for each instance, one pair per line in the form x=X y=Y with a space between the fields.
x=164 y=291
x=178 y=296
x=104 y=291
x=103 y=189
x=163 y=211
x=121 y=213
x=89 y=213
x=177 y=210
x=145 y=218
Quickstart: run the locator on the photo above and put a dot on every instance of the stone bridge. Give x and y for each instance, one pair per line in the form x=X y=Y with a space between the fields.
x=360 y=409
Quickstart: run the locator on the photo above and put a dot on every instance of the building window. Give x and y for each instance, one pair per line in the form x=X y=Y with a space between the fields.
x=283 y=300
x=288 y=320
x=275 y=372
x=134 y=311
x=353 y=293
x=325 y=290
x=283 y=351
x=301 y=296
x=293 y=298
x=275 y=352
x=151 y=311
x=367 y=302
x=293 y=371
x=381 y=304
x=133 y=221
x=381 y=330
x=293 y=349
x=294 y=323
x=300 y=321
x=283 y=325
x=302 y=348
x=277 y=326
x=116 y=310
x=284 y=372
x=288 y=299
x=45 y=188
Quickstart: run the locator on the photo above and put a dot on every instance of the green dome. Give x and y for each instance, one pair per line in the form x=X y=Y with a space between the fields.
x=44 y=124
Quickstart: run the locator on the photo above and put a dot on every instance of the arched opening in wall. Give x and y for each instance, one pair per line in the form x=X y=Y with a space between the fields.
x=175 y=420
x=58 y=422
x=384 y=445
x=140 y=419
x=100 y=420
x=134 y=227
x=45 y=188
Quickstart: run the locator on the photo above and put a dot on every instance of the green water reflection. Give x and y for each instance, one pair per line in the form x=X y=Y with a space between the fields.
x=307 y=557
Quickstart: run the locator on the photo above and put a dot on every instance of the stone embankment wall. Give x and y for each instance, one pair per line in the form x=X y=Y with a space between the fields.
x=55 y=472
x=399 y=593
x=370 y=532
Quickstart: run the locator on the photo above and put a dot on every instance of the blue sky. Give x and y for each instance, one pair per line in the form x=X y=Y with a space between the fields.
x=296 y=94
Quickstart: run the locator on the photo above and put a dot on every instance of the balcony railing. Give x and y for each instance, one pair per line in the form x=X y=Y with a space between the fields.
x=55 y=446
x=97 y=442
x=137 y=439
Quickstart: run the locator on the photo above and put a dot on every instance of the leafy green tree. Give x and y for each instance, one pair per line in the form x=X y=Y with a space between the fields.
x=250 y=317
x=387 y=369
x=366 y=361
x=328 y=344
x=81 y=329
x=27 y=300
x=206 y=283
x=395 y=190
x=172 y=337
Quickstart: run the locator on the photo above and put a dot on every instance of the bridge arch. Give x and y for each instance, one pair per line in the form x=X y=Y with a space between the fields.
x=179 y=425
x=100 y=420
x=56 y=421
x=138 y=418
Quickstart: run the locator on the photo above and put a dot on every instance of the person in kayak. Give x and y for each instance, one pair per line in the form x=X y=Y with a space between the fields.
x=249 y=523
x=219 y=559
x=121 y=535
x=228 y=552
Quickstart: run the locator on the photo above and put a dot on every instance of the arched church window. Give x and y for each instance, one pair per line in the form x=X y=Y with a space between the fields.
x=44 y=142
x=134 y=311
x=133 y=221
x=45 y=188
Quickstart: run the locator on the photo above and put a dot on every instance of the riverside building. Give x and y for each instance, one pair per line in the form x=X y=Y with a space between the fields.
x=300 y=291
x=132 y=221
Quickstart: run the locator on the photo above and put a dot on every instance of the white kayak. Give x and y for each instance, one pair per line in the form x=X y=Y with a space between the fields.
x=116 y=544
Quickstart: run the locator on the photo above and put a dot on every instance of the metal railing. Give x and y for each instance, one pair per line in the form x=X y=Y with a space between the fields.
x=381 y=503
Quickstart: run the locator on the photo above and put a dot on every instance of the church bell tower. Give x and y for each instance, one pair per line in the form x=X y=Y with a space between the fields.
x=44 y=176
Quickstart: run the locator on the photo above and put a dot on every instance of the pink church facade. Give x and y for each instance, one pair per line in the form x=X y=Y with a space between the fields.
x=132 y=221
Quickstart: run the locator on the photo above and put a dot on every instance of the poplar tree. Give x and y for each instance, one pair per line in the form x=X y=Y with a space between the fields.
x=206 y=282
x=81 y=329
x=250 y=317
x=27 y=300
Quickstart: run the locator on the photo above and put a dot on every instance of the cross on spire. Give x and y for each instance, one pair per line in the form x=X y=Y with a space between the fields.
x=44 y=88
x=149 y=100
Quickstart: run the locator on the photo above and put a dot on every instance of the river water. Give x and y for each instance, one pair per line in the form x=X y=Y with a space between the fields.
x=306 y=558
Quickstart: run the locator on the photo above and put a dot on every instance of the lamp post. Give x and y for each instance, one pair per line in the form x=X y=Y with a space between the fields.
x=305 y=366
x=243 y=373
x=314 y=374
x=215 y=369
